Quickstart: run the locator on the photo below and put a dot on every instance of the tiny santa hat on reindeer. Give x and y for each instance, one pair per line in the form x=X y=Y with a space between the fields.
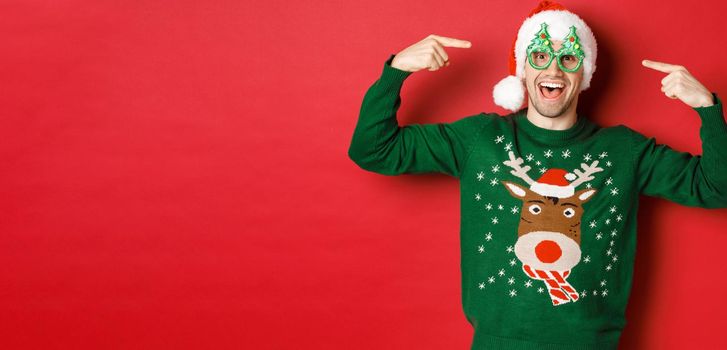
x=554 y=183
x=509 y=93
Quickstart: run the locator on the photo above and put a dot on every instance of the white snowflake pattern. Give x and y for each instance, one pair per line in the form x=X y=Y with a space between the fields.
x=537 y=162
x=513 y=293
x=619 y=217
x=512 y=262
x=508 y=146
x=542 y=170
x=509 y=249
x=609 y=252
x=613 y=233
x=614 y=191
x=477 y=196
x=595 y=292
x=500 y=207
x=603 y=155
x=612 y=209
x=583 y=294
x=482 y=285
x=501 y=272
x=587 y=157
x=599 y=235
x=494 y=220
x=608 y=267
x=528 y=284
x=511 y=280
x=548 y=153
x=514 y=209
x=609 y=181
x=491 y=279
x=603 y=283
x=566 y=153
x=540 y=290
x=608 y=163
x=587 y=259
x=588 y=185
x=499 y=139
x=496 y=168
x=488 y=236
x=493 y=182
x=608 y=221
x=615 y=258
x=592 y=224
x=529 y=157
x=604 y=293
x=480 y=176
x=488 y=206
x=481 y=249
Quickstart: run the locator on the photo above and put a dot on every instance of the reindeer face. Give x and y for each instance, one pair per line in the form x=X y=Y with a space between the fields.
x=549 y=233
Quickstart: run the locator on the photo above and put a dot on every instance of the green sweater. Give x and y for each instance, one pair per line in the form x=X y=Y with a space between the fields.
x=548 y=217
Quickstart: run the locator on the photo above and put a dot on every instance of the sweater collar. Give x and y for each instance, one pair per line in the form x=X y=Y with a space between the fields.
x=548 y=136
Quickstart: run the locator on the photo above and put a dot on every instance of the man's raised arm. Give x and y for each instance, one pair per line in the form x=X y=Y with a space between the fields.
x=698 y=181
x=380 y=145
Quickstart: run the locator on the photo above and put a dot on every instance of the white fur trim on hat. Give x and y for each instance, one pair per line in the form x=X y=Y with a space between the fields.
x=552 y=190
x=559 y=23
x=509 y=93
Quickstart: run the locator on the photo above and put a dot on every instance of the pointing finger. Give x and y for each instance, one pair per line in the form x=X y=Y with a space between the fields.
x=661 y=66
x=452 y=42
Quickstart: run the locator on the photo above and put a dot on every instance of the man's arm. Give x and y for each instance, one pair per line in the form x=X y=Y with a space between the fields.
x=380 y=145
x=698 y=181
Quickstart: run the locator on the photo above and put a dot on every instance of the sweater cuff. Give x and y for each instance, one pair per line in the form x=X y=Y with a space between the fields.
x=393 y=77
x=712 y=116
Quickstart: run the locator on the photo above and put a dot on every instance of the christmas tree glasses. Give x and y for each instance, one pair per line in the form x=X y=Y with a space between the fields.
x=540 y=51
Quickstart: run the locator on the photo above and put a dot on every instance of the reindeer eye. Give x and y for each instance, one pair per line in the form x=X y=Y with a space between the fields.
x=535 y=209
x=569 y=212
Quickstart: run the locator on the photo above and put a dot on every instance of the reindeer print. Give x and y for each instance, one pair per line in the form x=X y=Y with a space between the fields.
x=549 y=232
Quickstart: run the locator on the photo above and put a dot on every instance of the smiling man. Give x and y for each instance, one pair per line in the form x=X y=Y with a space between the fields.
x=549 y=199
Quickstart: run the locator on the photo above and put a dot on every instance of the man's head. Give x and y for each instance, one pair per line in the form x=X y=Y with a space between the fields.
x=552 y=46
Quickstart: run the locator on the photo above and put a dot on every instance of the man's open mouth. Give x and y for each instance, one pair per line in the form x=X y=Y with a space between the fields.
x=551 y=90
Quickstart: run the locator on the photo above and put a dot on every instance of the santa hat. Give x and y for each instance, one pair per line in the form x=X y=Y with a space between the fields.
x=509 y=93
x=554 y=183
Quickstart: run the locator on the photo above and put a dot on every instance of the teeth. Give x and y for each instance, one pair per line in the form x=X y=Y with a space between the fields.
x=552 y=85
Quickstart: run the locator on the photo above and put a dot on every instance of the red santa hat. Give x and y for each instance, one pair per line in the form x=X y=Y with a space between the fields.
x=509 y=93
x=554 y=183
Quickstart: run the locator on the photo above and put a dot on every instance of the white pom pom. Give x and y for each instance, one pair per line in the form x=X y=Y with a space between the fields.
x=509 y=93
x=570 y=176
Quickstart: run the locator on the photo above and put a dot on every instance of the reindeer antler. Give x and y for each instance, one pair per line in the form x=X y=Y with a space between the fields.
x=584 y=176
x=521 y=172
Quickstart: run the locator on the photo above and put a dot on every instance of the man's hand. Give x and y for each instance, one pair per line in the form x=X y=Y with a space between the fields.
x=681 y=84
x=428 y=53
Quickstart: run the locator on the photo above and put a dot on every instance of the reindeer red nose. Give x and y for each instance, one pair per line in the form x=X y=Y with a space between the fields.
x=548 y=251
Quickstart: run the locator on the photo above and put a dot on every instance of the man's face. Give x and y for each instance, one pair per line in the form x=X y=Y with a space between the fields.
x=552 y=103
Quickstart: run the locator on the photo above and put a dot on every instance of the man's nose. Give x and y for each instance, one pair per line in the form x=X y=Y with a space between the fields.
x=554 y=68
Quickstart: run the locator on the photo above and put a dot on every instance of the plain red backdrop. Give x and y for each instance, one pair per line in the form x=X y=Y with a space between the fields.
x=174 y=174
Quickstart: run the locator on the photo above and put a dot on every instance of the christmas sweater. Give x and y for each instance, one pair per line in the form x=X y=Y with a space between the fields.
x=548 y=217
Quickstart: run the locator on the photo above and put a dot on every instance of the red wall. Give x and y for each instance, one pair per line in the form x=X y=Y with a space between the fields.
x=174 y=174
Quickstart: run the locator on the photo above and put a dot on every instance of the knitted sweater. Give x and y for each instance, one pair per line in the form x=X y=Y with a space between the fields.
x=548 y=217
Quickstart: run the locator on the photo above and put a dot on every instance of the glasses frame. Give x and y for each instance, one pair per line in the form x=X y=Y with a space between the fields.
x=542 y=43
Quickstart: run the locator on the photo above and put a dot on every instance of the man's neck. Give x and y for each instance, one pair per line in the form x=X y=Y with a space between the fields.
x=561 y=122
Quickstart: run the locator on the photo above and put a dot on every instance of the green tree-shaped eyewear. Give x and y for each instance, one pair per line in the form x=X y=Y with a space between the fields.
x=540 y=51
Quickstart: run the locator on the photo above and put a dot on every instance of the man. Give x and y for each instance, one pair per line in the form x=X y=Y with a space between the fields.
x=549 y=199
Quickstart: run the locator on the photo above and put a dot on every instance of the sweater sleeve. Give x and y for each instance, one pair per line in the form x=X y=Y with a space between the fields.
x=691 y=180
x=380 y=145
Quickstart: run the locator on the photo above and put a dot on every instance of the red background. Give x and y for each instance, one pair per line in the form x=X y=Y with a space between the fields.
x=174 y=174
